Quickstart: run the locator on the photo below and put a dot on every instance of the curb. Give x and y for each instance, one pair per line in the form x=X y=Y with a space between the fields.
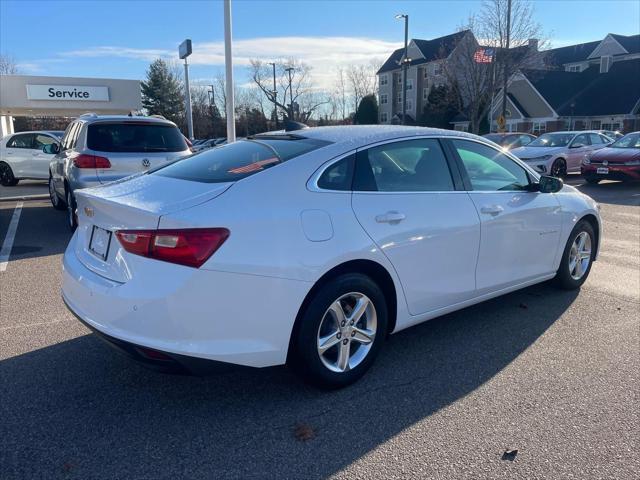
x=24 y=198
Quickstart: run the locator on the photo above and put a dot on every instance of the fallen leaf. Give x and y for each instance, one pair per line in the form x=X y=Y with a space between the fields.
x=303 y=432
x=510 y=454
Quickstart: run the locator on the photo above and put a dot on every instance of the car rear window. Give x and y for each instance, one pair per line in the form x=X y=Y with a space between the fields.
x=135 y=137
x=238 y=160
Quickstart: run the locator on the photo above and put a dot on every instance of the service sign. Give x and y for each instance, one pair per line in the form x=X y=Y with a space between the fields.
x=68 y=93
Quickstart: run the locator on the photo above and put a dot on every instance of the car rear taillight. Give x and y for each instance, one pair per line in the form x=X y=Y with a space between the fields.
x=91 y=161
x=191 y=247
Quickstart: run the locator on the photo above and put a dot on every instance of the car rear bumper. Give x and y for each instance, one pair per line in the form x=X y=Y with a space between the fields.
x=615 y=172
x=185 y=312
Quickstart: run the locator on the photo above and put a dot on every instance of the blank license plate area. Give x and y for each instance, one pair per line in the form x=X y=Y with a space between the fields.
x=602 y=170
x=99 y=243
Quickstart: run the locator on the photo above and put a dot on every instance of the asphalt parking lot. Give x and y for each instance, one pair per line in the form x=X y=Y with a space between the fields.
x=554 y=375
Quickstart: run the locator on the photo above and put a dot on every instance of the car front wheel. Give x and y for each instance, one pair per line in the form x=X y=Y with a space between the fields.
x=340 y=332
x=559 y=168
x=577 y=257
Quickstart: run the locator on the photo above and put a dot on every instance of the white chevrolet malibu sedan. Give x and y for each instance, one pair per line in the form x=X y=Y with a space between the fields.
x=310 y=247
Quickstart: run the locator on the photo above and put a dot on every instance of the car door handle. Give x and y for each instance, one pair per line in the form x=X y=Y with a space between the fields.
x=390 y=217
x=492 y=210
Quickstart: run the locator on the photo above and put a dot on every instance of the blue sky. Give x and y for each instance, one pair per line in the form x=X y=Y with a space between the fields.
x=118 y=39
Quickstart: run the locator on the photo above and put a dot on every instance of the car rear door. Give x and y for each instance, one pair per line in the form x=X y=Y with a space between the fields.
x=520 y=229
x=578 y=147
x=18 y=154
x=410 y=202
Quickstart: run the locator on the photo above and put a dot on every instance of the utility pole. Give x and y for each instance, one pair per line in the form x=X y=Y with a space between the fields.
x=507 y=58
x=184 y=50
x=291 y=119
x=212 y=106
x=228 y=62
x=405 y=65
x=275 y=94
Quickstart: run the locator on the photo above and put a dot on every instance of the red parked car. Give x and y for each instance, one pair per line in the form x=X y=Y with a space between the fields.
x=618 y=161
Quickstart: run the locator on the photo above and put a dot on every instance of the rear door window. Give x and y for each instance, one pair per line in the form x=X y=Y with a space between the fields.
x=135 y=137
x=42 y=140
x=24 y=140
x=238 y=160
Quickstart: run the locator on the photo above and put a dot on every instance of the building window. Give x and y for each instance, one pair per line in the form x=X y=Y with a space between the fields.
x=384 y=80
x=424 y=73
x=399 y=97
x=461 y=127
x=409 y=104
x=384 y=99
x=437 y=70
x=539 y=128
x=574 y=68
x=384 y=117
x=409 y=84
x=596 y=125
x=399 y=79
x=613 y=126
x=425 y=93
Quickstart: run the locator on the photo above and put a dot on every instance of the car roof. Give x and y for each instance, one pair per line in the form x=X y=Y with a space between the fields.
x=366 y=134
x=47 y=132
x=90 y=118
x=504 y=134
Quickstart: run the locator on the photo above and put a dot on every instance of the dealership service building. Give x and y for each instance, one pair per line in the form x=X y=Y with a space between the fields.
x=39 y=96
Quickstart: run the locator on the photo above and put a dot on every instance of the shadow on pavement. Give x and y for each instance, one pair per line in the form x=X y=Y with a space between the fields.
x=79 y=410
x=614 y=193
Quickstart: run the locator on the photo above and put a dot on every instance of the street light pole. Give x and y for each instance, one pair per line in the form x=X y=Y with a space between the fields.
x=184 y=50
x=275 y=94
x=405 y=64
x=289 y=70
x=507 y=58
x=228 y=62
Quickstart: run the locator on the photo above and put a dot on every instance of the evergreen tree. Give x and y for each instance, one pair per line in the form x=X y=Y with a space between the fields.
x=367 y=113
x=440 y=108
x=162 y=92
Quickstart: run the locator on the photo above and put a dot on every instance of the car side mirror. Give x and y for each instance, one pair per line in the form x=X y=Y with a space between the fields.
x=548 y=184
x=577 y=145
x=51 y=148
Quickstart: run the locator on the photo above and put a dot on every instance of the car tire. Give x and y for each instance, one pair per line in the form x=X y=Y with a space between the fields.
x=558 y=168
x=7 y=179
x=56 y=201
x=346 y=332
x=575 y=265
x=72 y=219
x=592 y=180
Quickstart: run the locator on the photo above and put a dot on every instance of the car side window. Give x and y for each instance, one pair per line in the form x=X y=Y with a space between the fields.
x=76 y=134
x=338 y=176
x=525 y=140
x=65 y=137
x=42 y=140
x=24 y=140
x=580 y=139
x=490 y=170
x=407 y=166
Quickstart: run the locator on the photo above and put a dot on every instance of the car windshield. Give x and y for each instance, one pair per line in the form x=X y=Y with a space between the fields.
x=552 y=140
x=632 y=140
x=135 y=137
x=499 y=139
x=234 y=161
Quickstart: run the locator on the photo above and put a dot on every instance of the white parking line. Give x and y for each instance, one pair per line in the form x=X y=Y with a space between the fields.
x=8 y=240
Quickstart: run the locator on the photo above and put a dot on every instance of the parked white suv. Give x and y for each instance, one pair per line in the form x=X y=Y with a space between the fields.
x=21 y=156
x=101 y=149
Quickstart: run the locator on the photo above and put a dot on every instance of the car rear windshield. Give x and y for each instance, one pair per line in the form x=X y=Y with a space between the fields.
x=552 y=140
x=240 y=159
x=135 y=137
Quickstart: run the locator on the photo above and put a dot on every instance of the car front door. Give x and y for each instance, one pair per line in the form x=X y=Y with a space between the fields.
x=411 y=203
x=578 y=148
x=39 y=160
x=18 y=154
x=520 y=229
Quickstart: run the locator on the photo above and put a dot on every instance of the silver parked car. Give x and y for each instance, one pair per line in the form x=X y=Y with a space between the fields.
x=21 y=156
x=101 y=149
x=559 y=153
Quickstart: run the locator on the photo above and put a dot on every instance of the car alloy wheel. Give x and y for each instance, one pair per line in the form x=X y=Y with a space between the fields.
x=56 y=201
x=6 y=176
x=559 y=169
x=580 y=256
x=347 y=332
x=71 y=214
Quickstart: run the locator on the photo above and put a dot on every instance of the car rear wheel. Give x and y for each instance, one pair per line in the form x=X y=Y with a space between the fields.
x=7 y=179
x=71 y=211
x=577 y=257
x=340 y=332
x=559 y=168
x=56 y=201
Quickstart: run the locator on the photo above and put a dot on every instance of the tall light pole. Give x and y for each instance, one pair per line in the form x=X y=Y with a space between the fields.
x=228 y=62
x=184 y=50
x=405 y=64
x=289 y=70
x=275 y=94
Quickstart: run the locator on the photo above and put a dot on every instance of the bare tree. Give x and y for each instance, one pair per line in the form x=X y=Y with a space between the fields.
x=296 y=95
x=362 y=80
x=7 y=65
x=341 y=92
